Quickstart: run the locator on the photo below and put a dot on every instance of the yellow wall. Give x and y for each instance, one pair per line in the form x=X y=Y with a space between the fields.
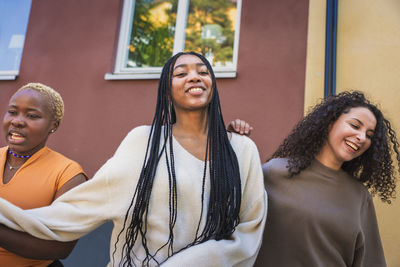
x=314 y=88
x=368 y=59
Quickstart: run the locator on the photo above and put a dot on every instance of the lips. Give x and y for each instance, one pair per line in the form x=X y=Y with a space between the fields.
x=352 y=145
x=196 y=90
x=15 y=137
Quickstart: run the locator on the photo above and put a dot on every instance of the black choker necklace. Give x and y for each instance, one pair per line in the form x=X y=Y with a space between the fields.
x=19 y=156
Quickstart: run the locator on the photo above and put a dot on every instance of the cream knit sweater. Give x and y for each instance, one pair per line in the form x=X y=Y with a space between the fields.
x=108 y=194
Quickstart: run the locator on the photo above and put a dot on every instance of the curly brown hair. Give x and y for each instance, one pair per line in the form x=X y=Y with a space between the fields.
x=375 y=167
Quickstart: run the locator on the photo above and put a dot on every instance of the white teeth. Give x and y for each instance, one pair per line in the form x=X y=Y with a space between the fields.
x=16 y=136
x=353 y=146
x=195 y=89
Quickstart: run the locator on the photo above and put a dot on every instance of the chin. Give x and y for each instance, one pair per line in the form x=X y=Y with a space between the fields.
x=199 y=107
x=348 y=159
x=20 y=149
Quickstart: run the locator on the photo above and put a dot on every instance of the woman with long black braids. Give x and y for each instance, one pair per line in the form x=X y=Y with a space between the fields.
x=180 y=192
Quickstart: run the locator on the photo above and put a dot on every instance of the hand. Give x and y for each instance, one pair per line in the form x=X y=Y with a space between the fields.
x=240 y=126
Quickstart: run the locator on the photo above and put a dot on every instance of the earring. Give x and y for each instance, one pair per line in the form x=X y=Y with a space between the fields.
x=52 y=130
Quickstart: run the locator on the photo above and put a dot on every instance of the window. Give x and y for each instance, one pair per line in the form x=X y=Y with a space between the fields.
x=153 y=30
x=14 y=16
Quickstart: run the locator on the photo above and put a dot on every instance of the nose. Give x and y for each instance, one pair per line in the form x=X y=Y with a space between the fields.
x=361 y=136
x=17 y=121
x=194 y=76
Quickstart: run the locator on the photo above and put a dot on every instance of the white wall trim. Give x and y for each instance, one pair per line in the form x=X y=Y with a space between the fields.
x=156 y=76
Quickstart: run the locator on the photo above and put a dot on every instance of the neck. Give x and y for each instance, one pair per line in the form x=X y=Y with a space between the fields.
x=327 y=160
x=15 y=161
x=191 y=123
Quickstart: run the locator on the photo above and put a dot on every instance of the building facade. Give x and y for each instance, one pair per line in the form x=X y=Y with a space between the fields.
x=277 y=73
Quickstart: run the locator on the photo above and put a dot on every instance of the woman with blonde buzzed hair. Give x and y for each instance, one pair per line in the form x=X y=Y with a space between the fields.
x=34 y=112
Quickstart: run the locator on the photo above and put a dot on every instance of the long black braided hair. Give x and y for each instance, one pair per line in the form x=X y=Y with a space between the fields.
x=225 y=187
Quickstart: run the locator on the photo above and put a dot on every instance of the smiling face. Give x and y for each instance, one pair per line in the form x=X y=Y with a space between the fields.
x=349 y=137
x=28 y=122
x=191 y=84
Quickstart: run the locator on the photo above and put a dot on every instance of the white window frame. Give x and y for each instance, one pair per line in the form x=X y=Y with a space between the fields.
x=122 y=73
x=8 y=75
x=12 y=74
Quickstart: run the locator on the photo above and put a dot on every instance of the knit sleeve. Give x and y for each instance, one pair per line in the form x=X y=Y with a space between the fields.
x=243 y=246
x=369 y=251
x=69 y=217
x=80 y=210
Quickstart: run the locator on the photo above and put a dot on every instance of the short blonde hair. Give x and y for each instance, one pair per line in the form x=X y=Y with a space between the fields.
x=55 y=100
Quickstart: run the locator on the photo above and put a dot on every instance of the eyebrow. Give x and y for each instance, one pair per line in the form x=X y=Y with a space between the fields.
x=28 y=109
x=360 y=122
x=185 y=65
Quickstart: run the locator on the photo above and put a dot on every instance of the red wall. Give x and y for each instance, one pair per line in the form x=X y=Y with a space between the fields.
x=70 y=45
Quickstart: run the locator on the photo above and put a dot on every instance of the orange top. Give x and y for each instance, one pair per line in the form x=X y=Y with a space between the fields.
x=34 y=185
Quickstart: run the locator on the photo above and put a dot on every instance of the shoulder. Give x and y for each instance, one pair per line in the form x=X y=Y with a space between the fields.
x=242 y=144
x=247 y=154
x=276 y=166
x=137 y=134
x=361 y=189
x=355 y=187
x=4 y=148
x=52 y=155
x=140 y=131
x=59 y=159
x=135 y=141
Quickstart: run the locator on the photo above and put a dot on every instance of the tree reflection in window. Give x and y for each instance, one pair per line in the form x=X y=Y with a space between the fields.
x=210 y=30
x=152 y=36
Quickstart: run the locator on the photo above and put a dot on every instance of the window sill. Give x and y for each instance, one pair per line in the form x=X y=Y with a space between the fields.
x=8 y=75
x=156 y=76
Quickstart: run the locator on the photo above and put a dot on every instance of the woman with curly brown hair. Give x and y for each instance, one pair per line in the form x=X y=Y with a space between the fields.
x=320 y=212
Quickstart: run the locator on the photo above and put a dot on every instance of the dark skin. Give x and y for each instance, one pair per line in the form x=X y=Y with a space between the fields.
x=31 y=247
x=190 y=129
x=192 y=92
x=27 y=124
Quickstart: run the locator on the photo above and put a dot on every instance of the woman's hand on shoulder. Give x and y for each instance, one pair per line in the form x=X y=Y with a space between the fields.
x=240 y=126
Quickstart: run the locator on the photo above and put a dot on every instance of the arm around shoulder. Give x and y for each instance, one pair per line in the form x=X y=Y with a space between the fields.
x=32 y=247
x=87 y=206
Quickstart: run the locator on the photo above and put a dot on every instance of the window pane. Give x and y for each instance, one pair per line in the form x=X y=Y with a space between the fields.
x=153 y=30
x=211 y=30
x=152 y=36
x=14 y=16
